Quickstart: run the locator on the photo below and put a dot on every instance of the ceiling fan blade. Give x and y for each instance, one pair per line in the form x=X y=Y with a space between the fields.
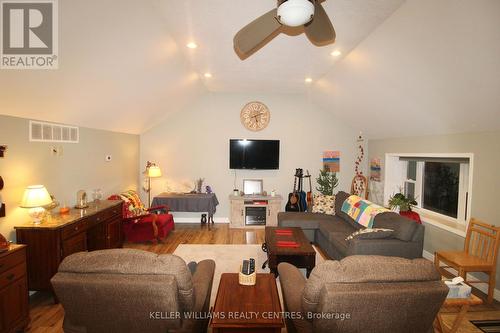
x=256 y=34
x=320 y=30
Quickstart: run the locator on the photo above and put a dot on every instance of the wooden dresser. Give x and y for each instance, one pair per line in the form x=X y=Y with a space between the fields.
x=97 y=227
x=14 y=312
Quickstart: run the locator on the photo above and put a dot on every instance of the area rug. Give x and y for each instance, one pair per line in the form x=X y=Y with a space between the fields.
x=488 y=326
x=227 y=259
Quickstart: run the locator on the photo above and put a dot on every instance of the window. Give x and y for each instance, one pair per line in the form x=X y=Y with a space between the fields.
x=440 y=184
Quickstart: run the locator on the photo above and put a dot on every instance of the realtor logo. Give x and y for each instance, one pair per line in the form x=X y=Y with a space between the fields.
x=29 y=34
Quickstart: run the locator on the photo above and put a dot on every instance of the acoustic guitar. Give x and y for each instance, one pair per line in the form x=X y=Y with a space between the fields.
x=293 y=204
x=309 y=197
x=302 y=194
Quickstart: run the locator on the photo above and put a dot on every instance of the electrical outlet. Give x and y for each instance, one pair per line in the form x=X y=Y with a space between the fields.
x=2 y=210
x=108 y=158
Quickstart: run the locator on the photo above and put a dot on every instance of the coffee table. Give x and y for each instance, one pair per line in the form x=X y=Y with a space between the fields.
x=303 y=256
x=247 y=308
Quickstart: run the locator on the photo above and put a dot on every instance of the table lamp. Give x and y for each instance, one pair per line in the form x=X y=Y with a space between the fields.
x=35 y=198
x=152 y=171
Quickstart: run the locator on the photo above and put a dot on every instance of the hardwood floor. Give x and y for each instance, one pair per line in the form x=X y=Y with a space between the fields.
x=48 y=317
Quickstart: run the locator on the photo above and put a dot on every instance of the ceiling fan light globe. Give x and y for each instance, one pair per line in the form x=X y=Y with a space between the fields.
x=294 y=13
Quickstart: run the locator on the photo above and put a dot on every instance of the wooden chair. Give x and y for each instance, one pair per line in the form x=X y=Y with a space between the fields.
x=479 y=255
x=359 y=186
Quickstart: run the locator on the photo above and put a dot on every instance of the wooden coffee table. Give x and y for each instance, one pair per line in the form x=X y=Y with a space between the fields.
x=303 y=256
x=247 y=308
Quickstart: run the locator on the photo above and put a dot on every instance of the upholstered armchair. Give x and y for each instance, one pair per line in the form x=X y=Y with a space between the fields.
x=143 y=224
x=363 y=294
x=126 y=290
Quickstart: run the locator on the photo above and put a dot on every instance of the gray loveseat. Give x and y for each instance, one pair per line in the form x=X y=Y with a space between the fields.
x=330 y=233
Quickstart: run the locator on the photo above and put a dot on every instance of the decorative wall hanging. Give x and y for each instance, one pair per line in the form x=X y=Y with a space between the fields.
x=331 y=161
x=359 y=183
x=375 y=169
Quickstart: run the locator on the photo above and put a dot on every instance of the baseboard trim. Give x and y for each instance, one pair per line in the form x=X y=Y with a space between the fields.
x=196 y=220
x=483 y=287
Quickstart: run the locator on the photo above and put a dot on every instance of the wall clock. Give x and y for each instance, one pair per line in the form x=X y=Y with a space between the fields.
x=255 y=116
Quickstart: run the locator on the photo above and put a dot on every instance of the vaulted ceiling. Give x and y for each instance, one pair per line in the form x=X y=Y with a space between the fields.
x=124 y=64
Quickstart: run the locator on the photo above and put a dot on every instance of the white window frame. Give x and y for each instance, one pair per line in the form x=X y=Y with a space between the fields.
x=395 y=169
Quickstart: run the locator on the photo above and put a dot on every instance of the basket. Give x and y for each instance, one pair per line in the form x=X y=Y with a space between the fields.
x=247 y=280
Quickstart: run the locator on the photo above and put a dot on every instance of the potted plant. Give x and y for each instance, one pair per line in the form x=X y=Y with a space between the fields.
x=327 y=182
x=403 y=205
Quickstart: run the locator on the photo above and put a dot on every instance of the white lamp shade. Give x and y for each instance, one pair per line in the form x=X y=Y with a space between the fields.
x=294 y=13
x=35 y=196
x=154 y=171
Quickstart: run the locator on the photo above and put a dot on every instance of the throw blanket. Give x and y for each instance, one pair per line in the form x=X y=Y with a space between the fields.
x=362 y=211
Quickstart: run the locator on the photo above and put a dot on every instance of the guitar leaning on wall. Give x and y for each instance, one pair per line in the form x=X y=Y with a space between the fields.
x=293 y=204
x=309 y=197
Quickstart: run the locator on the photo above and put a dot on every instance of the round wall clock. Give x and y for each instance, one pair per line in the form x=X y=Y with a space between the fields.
x=255 y=116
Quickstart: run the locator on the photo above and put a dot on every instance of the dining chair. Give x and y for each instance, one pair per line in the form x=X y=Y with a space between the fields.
x=359 y=186
x=479 y=255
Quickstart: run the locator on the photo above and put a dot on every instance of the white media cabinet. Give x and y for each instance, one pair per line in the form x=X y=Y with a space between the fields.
x=251 y=211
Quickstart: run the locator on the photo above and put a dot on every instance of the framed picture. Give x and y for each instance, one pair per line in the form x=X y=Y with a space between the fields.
x=252 y=186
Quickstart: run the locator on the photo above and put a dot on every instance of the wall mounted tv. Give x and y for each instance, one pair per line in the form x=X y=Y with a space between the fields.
x=254 y=154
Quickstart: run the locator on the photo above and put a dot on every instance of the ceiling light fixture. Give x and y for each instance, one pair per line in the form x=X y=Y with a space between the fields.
x=208 y=75
x=294 y=13
x=191 y=45
x=336 y=53
x=308 y=80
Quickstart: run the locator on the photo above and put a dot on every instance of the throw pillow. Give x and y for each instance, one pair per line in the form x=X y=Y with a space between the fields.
x=371 y=233
x=324 y=204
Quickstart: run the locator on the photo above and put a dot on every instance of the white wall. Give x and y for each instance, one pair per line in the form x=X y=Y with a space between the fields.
x=194 y=143
x=81 y=167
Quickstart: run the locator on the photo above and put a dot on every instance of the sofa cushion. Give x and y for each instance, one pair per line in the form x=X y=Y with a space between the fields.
x=336 y=233
x=324 y=204
x=371 y=233
x=302 y=219
x=365 y=269
x=403 y=228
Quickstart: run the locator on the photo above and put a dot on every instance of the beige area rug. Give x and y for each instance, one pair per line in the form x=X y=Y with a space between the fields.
x=228 y=259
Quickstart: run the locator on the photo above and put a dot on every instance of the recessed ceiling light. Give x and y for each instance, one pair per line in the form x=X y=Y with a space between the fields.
x=192 y=45
x=208 y=75
x=308 y=80
x=336 y=53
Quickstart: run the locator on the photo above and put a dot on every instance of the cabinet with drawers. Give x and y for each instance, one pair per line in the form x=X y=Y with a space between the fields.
x=97 y=227
x=14 y=313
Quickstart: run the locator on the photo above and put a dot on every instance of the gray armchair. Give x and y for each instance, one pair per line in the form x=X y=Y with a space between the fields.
x=125 y=290
x=363 y=294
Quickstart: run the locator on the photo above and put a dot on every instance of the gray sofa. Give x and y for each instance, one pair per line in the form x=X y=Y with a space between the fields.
x=127 y=290
x=363 y=294
x=330 y=233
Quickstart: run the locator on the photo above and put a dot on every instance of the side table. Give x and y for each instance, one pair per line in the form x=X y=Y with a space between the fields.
x=464 y=304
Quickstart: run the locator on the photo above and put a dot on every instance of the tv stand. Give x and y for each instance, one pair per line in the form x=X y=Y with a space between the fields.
x=254 y=211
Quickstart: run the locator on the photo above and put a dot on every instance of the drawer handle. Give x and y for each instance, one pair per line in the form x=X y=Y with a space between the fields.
x=11 y=277
x=98 y=219
x=76 y=228
x=114 y=212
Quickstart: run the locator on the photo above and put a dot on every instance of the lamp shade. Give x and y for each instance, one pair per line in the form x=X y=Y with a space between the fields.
x=35 y=196
x=154 y=171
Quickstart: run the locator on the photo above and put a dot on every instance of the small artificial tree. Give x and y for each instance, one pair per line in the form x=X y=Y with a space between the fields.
x=327 y=181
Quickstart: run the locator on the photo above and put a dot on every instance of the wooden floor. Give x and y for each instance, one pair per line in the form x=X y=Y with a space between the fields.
x=48 y=317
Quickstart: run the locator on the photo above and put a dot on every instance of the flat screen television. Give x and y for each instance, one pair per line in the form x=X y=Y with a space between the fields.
x=254 y=154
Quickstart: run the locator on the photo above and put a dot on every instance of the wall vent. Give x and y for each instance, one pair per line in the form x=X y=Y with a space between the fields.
x=48 y=132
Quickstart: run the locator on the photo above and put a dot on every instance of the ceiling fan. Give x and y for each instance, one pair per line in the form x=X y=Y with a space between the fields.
x=289 y=13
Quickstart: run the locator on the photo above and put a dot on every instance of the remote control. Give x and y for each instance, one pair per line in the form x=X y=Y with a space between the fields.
x=245 y=269
x=252 y=265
